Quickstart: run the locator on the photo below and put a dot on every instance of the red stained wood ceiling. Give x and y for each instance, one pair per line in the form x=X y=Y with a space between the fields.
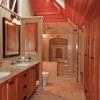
x=79 y=11
x=82 y=11
x=47 y=9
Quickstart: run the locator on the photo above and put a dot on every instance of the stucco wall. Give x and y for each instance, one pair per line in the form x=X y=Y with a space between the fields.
x=3 y=13
x=25 y=8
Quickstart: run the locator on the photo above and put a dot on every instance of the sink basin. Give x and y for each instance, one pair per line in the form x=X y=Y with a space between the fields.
x=4 y=74
x=23 y=64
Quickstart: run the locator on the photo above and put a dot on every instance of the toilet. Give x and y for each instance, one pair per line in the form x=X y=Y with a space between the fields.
x=45 y=76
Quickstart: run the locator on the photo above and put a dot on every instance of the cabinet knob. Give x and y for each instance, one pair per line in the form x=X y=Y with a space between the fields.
x=34 y=68
x=92 y=57
x=25 y=86
x=24 y=98
x=85 y=91
x=25 y=75
x=85 y=55
x=10 y=83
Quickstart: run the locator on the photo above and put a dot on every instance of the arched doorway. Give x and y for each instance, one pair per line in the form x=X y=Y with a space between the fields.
x=58 y=49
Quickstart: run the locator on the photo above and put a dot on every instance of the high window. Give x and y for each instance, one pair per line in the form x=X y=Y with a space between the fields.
x=61 y=2
x=10 y=4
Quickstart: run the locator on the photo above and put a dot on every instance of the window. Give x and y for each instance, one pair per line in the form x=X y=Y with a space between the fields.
x=61 y=2
x=10 y=4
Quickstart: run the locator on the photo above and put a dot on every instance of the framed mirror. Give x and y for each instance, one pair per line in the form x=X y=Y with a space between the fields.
x=11 y=38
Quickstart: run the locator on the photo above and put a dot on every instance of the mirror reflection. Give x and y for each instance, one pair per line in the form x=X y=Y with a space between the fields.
x=11 y=38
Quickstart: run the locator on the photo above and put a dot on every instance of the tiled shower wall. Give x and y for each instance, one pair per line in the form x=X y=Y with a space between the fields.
x=72 y=38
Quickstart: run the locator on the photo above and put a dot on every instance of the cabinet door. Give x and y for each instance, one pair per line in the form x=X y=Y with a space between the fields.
x=32 y=83
x=11 y=89
x=31 y=36
x=37 y=72
x=94 y=60
x=23 y=86
x=4 y=91
x=33 y=78
x=86 y=61
x=99 y=63
x=0 y=93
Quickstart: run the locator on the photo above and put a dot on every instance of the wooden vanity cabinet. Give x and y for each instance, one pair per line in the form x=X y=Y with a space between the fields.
x=12 y=89
x=20 y=87
x=26 y=84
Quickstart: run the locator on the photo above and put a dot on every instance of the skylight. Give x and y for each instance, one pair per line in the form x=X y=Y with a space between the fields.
x=61 y=2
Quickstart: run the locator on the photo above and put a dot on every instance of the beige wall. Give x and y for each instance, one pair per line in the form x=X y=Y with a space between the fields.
x=64 y=30
x=3 y=13
x=26 y=8
x=6 y=13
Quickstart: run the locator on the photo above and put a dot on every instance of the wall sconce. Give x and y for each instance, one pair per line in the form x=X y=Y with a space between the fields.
x=15 y=19
x=44 y=35
x=18 y=22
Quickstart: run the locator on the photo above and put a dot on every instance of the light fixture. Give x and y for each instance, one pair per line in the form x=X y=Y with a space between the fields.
x=18 y=22
x=15 y=19
x=44 y=35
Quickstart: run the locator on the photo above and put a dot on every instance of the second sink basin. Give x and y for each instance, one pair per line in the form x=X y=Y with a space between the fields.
x=4 y=74
x=23 y=64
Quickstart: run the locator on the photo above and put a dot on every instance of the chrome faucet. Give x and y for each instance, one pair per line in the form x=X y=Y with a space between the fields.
x=13 y=62
x=21 y=59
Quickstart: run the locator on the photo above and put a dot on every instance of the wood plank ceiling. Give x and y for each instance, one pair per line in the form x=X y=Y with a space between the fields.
x=81 y=11
x=47 y=9
x=78 y=11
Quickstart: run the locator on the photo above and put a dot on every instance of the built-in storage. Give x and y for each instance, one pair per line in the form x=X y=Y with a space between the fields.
x=20 y=87
x=26 y=84
x=91 y=59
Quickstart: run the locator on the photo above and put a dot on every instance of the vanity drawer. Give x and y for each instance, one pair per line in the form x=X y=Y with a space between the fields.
x=12 y=89
x=23 y=78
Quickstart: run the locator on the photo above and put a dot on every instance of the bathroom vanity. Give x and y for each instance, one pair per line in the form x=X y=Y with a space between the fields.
x=18 y=81
x=20 y=84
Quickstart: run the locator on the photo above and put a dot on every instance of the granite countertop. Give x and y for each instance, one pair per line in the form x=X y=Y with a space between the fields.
x=15 y=70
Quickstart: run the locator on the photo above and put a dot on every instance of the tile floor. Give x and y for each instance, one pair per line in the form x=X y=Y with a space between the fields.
x=62 y=88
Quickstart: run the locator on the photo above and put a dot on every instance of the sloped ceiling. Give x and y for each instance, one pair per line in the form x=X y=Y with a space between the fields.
x=78 y=11
x=81 y=11
x=47 y=9
x=58 y=28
